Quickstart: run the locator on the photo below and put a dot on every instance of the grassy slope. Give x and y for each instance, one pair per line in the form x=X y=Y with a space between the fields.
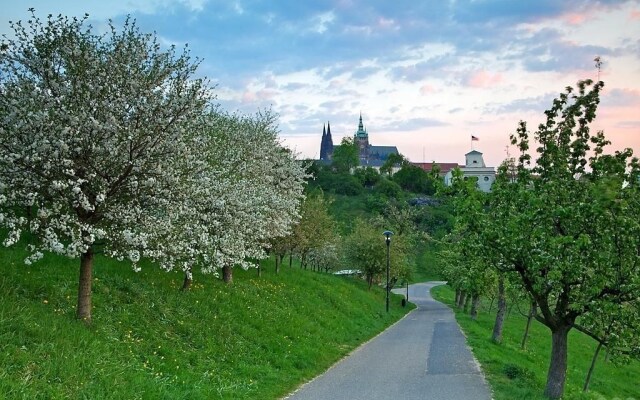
x=258 y=338
x=530 y=366
x=428 y=263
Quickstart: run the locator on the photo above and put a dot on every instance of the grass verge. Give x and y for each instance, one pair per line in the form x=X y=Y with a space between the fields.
x=521 y=374
x=258 y=338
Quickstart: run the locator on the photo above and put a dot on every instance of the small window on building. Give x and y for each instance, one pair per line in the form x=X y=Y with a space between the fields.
x=475 y=161
x=486 y=179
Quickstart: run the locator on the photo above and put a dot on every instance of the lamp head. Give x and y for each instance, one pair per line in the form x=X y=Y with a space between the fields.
x=387 y=235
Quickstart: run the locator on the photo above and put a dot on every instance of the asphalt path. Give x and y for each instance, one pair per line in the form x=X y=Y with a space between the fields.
x=422 y=356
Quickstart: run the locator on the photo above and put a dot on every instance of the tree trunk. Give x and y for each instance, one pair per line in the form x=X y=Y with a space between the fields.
x=227 y=274
x=277 y=265
x=84 y=286
x=290 y=260
x=496 y=336
x=188 y=279
x=461 y=299
x=259 y=270
x=532 y=312
x=558 y=363
x=458 y=294
x=593 y=364
x=475 y=300
x=467 y=300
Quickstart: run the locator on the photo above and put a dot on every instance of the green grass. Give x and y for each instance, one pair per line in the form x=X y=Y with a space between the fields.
x=258 y=338
x=428 y=263
x=517 y=374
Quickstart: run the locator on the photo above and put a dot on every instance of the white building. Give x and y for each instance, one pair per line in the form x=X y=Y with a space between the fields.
x=475 y=167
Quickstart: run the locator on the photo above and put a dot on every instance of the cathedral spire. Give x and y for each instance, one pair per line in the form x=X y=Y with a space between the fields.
x=326 y=145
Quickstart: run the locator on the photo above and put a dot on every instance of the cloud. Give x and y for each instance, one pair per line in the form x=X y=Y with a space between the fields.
x=535 y=104
x=427 y=89
x=364 y=72
x=321 y=22
x=621 y=98
x=293 y=86
x=483 y=79
x=410 y=124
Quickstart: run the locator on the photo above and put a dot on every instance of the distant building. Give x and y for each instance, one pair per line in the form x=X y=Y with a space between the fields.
x=475 y=167
x=370 y=156
x=444 y=167
x=326 y=145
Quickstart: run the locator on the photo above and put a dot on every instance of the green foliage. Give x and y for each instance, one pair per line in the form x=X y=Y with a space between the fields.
x=436 y=220
x=315 y=232
x=346 y=156
x=388 y=189
x=514 y=371
x=393 y=160
x=414 y=179
x=256 y=339
x=330 y=181
x=367 y=176
x=365 y=250
x=567 y=227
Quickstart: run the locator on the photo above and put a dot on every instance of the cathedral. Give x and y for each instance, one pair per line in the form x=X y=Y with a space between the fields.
x=370 y=156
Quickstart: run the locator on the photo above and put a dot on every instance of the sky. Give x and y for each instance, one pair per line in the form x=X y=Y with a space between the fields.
x=425 y=75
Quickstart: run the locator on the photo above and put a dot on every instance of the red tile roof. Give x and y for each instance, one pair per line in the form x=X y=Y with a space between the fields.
x=444 y=167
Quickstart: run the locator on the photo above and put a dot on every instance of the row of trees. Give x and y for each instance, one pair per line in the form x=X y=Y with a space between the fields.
x=319 y=243
x=110 y=144
x=564 y=229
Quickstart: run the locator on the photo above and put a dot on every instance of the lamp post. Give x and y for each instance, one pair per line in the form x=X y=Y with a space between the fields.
x=387 y=235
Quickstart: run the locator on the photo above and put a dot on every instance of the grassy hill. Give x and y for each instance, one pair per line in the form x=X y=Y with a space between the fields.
x=257 y=338
x=521 y=374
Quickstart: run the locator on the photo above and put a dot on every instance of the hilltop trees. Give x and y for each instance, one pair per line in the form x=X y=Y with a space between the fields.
x=345 y=156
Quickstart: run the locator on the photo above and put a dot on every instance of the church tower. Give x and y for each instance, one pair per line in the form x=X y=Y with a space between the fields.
x=361 y=139
x=326 y=145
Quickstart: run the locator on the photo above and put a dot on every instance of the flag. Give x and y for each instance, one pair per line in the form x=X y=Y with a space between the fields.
x=474 y=139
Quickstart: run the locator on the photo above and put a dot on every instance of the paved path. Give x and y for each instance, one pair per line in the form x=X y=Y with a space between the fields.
x=423 y=356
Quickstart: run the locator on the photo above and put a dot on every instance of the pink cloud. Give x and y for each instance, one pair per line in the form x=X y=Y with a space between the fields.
x=482 y=79
x=635 y=15
x=264 y=94
x=574 y=18
x=335 y=84
x=427 y=89
x=249 y=97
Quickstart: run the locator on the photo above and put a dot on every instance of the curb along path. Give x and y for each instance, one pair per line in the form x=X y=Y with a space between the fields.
x=423 y=356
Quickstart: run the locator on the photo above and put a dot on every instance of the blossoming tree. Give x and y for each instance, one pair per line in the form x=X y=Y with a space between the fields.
x=248 y=194
x=97 y=134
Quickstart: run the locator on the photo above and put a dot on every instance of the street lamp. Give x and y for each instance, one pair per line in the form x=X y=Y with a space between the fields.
x=387 y=235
